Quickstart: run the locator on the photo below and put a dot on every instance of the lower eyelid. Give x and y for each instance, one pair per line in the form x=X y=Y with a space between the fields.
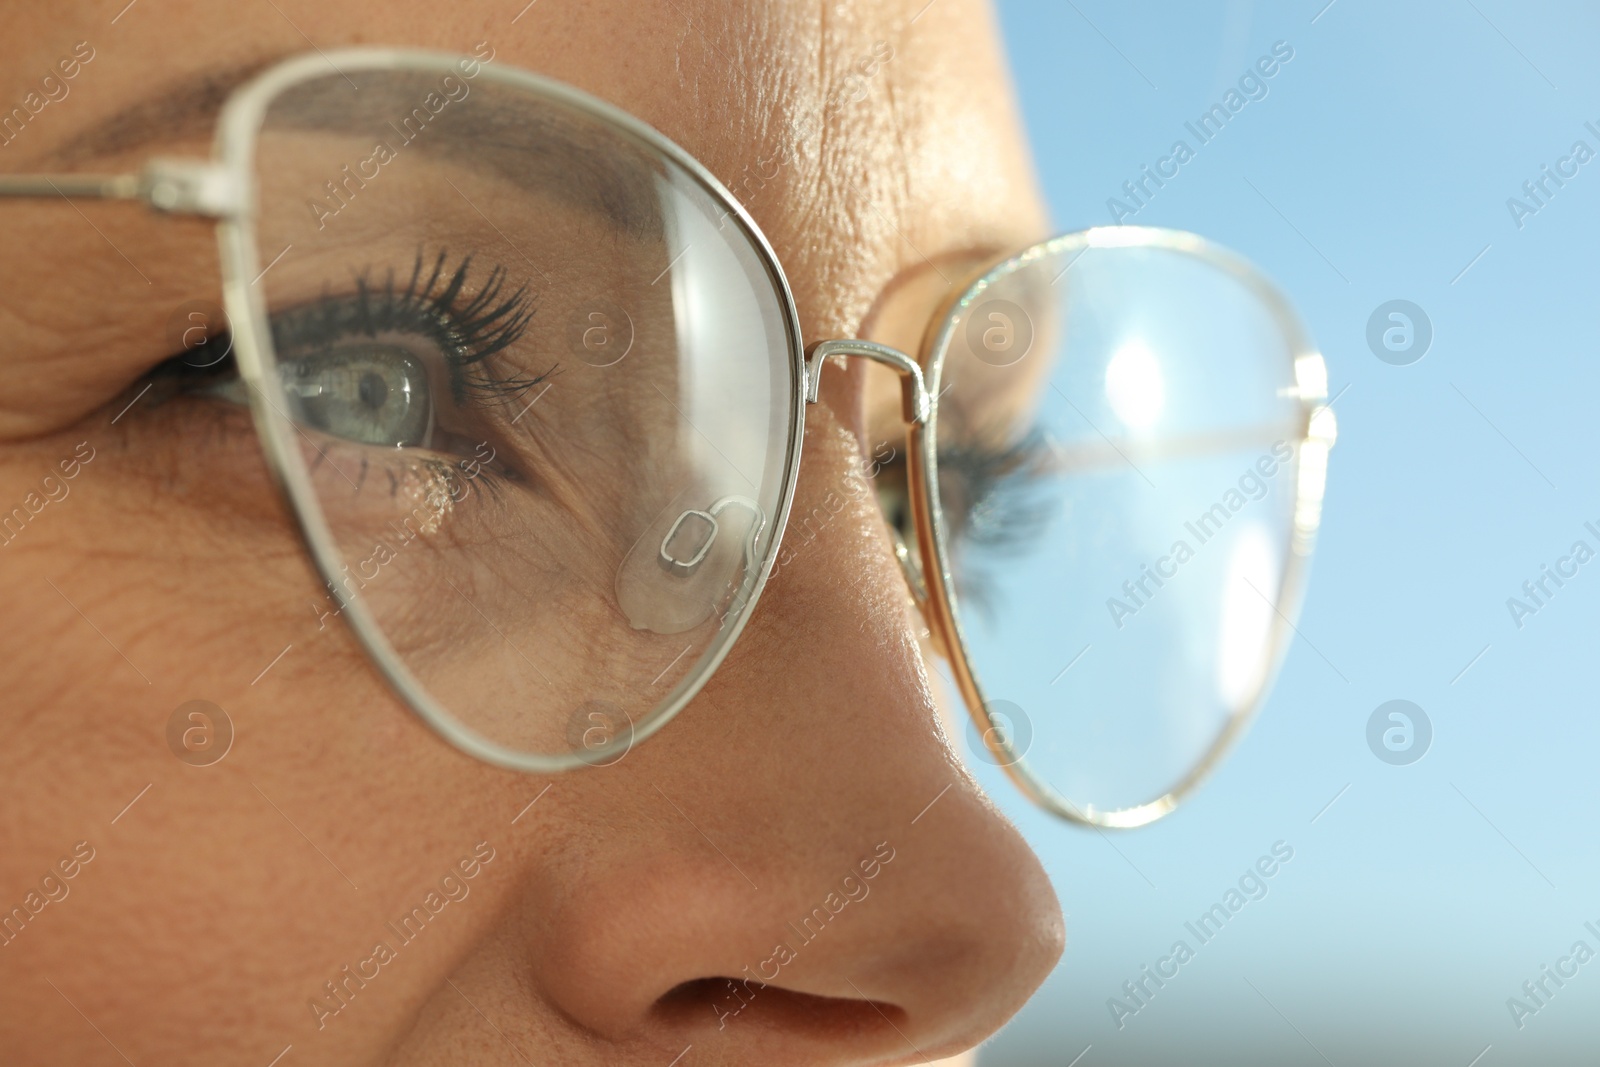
x=337 y=465
x=384 y=495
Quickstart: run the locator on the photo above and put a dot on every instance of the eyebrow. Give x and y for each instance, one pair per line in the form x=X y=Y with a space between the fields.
x=185 y=111
x=620 y=184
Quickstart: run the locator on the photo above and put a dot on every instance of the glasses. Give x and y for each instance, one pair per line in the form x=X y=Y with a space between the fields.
x=533 y=385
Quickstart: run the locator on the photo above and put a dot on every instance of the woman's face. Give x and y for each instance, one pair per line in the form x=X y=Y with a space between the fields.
x=795 y=870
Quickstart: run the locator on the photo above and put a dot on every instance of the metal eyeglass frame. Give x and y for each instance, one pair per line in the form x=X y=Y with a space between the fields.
x=222 y=188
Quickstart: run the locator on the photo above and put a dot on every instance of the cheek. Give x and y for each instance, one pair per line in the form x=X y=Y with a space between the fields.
x=236 y=876
x=239 y=876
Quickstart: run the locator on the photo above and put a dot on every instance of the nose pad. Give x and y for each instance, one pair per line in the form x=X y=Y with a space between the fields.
x=683 y=550
x=688 y=561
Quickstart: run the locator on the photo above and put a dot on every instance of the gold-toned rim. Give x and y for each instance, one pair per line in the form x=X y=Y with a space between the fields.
x=1319 y=431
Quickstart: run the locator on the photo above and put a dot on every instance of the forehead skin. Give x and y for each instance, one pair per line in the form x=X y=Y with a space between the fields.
x=224 y=897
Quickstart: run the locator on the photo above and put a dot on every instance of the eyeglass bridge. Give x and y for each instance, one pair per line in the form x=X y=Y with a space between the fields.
x=914 y=401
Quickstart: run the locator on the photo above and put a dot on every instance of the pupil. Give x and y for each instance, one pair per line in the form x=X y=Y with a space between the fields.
x=374 y=390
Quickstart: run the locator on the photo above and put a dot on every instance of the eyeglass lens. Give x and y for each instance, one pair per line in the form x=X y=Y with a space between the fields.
x=542 y=389
x=1117 y=438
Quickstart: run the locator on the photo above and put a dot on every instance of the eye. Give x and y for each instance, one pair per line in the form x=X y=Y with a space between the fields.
x=407 y=364
x=372 y=394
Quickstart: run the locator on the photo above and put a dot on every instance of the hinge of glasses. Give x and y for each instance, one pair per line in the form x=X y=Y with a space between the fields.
x=193 y=187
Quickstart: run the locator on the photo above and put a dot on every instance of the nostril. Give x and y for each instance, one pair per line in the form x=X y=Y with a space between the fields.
x=729 y=1002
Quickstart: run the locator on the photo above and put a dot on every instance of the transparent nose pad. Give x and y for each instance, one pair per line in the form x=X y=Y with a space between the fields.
x=687 y=562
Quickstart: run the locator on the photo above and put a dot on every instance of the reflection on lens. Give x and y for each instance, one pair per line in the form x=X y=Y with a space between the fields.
x=537 y=388
x=1244 y=625
x=1135 y=387
x=1126 y=573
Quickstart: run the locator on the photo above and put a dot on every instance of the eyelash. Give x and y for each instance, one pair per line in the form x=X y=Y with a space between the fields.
x=1002 y=514
x=469 y=331
x=994 y=482
x=998 y=512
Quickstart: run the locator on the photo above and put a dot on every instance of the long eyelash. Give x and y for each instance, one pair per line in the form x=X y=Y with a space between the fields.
x=998 y=510
x=470 y=331
x=992 y=484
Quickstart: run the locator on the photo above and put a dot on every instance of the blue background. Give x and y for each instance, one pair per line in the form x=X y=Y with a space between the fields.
x=1426 y=894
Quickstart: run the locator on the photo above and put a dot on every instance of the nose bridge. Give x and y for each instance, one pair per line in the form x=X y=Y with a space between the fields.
x=913 y=389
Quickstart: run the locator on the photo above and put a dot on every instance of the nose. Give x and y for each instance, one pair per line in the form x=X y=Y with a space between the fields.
x=798 y=870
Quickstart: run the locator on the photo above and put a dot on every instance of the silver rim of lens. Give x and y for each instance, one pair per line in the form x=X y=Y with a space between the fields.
x=242 y=119
x=1317 y=437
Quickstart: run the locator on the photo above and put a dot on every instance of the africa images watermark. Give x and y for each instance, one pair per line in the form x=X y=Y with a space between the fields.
x=1536 y=992
x=53 y=888
x=1539 y=591
x=1252 y=486
x=339 y=992
x=343 y=188
x=53 y=88
x=435 y=499
x=1539 y=191
x=852 y=888
x=1252 y=85
x=1252 y=886
x=814 y=521
x=52 y=490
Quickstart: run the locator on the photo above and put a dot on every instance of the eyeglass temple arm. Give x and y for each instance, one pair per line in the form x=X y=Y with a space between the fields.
x=98 y=186
x=175 y=186
x=914 y=400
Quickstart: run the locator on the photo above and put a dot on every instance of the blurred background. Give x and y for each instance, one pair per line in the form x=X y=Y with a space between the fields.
x=1421 y=896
